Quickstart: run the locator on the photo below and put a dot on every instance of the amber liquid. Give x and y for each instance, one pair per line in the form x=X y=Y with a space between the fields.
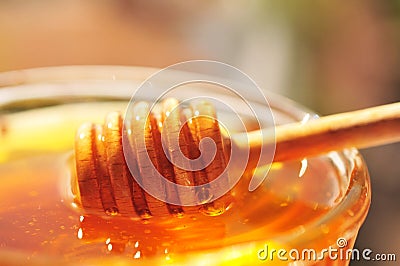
x=40 y=223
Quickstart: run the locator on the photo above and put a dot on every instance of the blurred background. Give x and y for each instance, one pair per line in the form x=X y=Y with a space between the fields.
x=329 y=56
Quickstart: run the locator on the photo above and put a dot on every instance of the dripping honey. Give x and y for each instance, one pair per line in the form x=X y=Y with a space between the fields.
x=38 y=222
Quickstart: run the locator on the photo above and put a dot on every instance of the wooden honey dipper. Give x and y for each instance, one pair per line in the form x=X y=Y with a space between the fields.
x=104 y=184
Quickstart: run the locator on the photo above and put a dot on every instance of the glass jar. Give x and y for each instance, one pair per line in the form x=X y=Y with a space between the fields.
x=306 y=212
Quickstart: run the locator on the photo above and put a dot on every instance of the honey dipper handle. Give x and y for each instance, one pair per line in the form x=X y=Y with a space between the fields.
x=361 y=129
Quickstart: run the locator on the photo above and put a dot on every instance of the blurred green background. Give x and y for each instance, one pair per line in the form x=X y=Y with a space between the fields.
x=331 y=56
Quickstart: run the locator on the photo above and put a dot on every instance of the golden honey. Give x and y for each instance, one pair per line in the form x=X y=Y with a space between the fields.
x=302 y=204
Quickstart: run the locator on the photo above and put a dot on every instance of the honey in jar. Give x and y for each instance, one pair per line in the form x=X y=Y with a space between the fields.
x=307 y=204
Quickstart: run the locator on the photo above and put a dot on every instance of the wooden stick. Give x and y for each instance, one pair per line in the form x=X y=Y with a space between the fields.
x=110 y=186
x=361 y=129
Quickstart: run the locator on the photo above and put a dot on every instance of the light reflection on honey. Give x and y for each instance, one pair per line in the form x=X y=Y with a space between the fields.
x=37 y=220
